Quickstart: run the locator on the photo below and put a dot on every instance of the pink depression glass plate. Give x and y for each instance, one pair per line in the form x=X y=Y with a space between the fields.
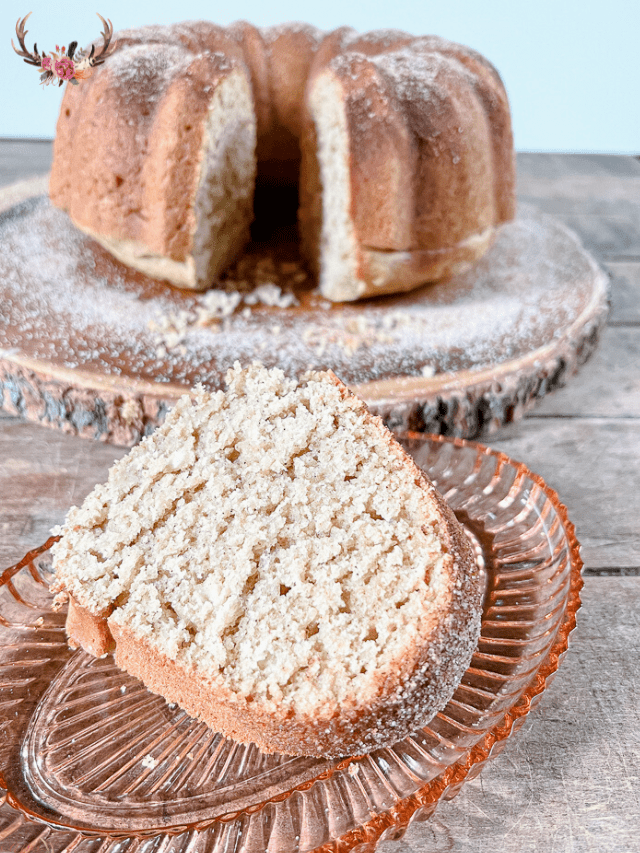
x=90 y=761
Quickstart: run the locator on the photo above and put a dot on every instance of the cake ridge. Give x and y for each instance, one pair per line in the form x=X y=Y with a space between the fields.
x=282 y=66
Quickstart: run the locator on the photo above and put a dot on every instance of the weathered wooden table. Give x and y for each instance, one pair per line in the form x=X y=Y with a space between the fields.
x=569 y=781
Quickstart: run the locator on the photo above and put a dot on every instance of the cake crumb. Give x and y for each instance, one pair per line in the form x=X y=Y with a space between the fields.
x=214 y=307
x=130 y=411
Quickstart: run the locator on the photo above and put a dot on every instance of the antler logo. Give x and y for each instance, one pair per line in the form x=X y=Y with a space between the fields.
x=67 y=64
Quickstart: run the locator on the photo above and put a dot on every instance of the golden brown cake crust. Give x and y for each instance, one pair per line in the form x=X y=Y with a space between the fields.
x=89 y=630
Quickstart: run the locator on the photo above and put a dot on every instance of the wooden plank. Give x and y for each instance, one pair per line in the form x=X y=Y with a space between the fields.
x=43 y=473
x=569 y=781
x=558 y=166
x=22 y=158
x=599 y=198
x=614 y=233
x=581 y=193
x=594 y=465
x=625 y=291
x=608 y=385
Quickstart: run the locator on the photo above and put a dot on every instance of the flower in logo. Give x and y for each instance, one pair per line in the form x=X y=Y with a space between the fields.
x=64 y=69
x=69 y=65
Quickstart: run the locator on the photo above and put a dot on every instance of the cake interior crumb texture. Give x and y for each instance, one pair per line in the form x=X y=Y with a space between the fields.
x=338 y=272
x=272 y=536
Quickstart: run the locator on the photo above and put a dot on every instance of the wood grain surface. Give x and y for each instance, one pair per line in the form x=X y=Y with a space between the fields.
x=569 y=781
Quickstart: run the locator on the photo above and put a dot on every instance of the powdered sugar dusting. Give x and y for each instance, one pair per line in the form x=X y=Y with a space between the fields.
x=142 y=72
x=379 y=40
x=66 y=302
x=272 y=34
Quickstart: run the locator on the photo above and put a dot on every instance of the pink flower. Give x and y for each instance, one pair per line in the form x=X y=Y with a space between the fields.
x=46 y=63
x=64 y=68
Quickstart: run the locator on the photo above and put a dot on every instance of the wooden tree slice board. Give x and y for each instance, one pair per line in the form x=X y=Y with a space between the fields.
x=78 y=350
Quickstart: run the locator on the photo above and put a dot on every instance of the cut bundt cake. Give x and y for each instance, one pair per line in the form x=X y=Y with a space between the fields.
x=273 y=561
x=401 y=148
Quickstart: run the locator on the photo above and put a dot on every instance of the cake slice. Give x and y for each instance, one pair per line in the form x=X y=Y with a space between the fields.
x=273 y=561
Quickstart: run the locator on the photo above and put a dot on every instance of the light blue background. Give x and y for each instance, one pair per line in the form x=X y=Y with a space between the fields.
x=572 y=69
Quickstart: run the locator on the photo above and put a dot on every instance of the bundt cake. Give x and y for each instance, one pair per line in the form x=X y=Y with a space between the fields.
x=401 y=146
x=273 y=561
